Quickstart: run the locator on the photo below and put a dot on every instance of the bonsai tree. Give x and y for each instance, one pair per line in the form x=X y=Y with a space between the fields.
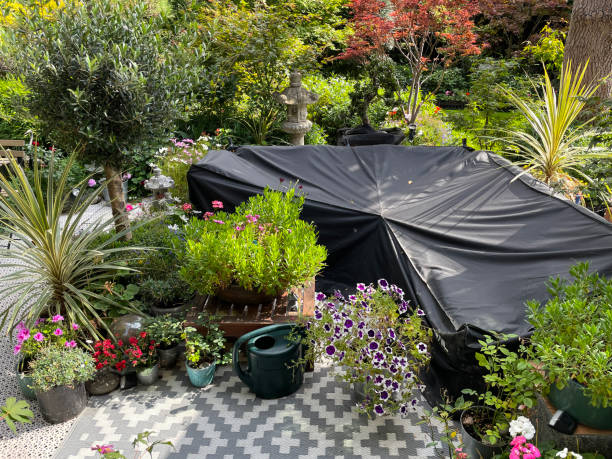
x=104 y=77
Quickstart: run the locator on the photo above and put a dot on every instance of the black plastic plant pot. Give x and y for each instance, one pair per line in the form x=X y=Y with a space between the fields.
x=62 y=402
x=472 y=446
x=168 y=357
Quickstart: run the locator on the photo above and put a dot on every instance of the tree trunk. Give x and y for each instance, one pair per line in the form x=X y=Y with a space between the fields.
x=590 y=37
x=115 y=192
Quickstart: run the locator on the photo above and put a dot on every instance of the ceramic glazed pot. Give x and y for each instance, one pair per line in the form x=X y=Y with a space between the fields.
x=471 y=445
x=25 y=384
x=62 y=403
x=104 y=381
x=127 y=326
x=201 y=377
x=167 y=357
x=572 y=400
x=148 y=376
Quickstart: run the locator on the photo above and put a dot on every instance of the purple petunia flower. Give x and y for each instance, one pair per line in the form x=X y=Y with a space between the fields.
x=383 y=284
x=391 y=333
x=371 y=333
x=403 y=307
x=320 y=296
x=327 y=327
x=318 y=315
x=57 y=318
x=330 y=350
x=378 y=379
x=393 y=369
x=403 y=409
x=388 y=382
x=408 y=375
x=379 y=356
x=379 y=409
x=384 y=395
x=413 y=402
x=360 y=325
x=373 y=345
x=361 y=287
x=348 y=323
x=340 y=356
x=420 y=312
x=422 y=348
x=395 y=386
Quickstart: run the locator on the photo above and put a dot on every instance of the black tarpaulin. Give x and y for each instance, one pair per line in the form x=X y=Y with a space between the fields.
x=448 y=225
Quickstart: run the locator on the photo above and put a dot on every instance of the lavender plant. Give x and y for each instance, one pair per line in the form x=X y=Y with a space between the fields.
x=379 y=340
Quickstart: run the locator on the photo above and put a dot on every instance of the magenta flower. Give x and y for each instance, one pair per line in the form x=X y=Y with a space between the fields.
x=75 y=327
x=220 y=222
x=20 y=326
x=217 y=205
x=39 y=337
x=58 y=332
x=91 y=183
x=70 y=343
x=103 y=449
x=57 y=318
x=16 y=349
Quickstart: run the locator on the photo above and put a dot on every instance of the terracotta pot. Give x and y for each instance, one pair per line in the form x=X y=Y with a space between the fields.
x=240 y=296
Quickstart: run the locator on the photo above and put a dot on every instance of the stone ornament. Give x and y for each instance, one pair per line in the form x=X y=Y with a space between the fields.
x=296 y=98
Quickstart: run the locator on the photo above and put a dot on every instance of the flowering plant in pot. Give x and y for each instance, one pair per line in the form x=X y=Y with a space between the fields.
x=58 y=374
x=166 y=331
x=31 y=341
x=110 y=363
x=141 y=352
x=204 y=350
x=263 y=248
x=378 y=338
x=511 y=388
x=572 y=344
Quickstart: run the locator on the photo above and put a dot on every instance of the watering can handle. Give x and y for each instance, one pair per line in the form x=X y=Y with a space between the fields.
x=245 y=376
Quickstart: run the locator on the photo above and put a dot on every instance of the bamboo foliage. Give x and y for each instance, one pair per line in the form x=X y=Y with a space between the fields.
x=552 y=150
x=55 y=266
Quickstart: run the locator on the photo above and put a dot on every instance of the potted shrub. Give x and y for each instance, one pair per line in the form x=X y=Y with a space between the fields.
x=572 y=344
x=30 y=341
x=379 y=340
x=511 y=388
x=254 y=254
x=167 y=295
x=166 y=331
x=204 y=350
x=58 y=374
x=141 y=353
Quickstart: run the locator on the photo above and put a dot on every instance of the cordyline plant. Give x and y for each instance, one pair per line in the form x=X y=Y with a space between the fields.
x=554 y=149
x=428 y=34
x=377 y=337
x=55 y=260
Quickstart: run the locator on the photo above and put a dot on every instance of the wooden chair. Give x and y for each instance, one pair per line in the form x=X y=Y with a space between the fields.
x=16 y=149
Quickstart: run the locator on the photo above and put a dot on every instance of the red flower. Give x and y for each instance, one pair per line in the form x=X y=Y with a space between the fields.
x=35 y=143
x=120 y=365
x=133 y=340
x=282 y=180
x=467 y=93
x=217 y=131
x=151 y=347
x=120 y=343
x=143 y=334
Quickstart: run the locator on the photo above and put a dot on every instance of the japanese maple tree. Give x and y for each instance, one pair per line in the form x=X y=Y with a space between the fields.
x=426 y=34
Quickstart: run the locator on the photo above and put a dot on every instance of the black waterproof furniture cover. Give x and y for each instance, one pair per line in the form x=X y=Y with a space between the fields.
x=447 y=224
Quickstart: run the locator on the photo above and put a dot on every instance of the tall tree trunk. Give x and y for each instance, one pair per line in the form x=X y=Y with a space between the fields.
x=115 y=192
x=590 y=37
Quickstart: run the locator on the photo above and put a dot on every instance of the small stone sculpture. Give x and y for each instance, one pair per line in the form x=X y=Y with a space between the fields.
x=159 y=185
x=296 y=99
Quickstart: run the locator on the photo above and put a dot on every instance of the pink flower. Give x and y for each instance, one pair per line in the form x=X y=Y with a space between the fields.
x=39 y=337
x=91 y=182
x=127 y=176
x=23 y=335
x=103 y=449
x=20 y=326
x=239 y=228
x=16 y=349
x=187 y=207
x=129 y=207
x=70 y=343
x=217 y=205
x=262 y=228
x=57 y=318
x=75 y=327
x=58 y=332
x=518 y=440
x=220 y=222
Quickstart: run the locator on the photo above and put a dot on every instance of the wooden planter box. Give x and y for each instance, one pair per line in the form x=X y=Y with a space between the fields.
x=236 y=320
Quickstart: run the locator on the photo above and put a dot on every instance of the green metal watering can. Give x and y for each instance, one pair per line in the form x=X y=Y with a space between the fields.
x=269 y=353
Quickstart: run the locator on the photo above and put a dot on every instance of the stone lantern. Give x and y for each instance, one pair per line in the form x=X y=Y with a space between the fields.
x=296 y=99
x=159 y=185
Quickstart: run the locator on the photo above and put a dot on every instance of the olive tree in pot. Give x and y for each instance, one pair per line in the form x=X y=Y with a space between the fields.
x=58 y=374
x=106 y=77
x=166 y=331
x=572 y=344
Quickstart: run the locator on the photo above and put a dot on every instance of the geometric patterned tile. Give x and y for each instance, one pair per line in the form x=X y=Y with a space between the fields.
x=226 y=420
